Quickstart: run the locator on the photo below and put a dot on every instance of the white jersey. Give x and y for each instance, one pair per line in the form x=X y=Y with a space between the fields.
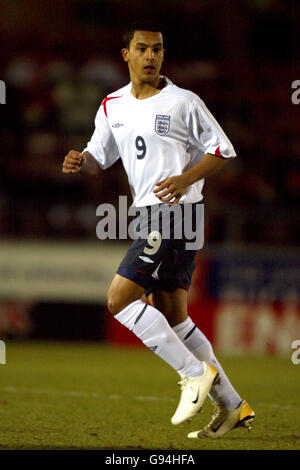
x=156 y=138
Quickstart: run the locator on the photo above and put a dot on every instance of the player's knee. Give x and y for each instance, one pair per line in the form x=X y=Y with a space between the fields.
x=113 y=305
x=122 y=293
x=116 y=302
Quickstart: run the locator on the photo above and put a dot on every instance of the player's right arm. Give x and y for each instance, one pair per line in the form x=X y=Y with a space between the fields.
x=100 y=153
x=83 y=163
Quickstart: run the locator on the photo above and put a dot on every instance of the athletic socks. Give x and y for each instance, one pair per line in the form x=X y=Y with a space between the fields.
x=183 y=347
x=224 y=394
x=152 y=328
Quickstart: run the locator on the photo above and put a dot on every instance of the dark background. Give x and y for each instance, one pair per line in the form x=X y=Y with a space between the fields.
x=59 y=59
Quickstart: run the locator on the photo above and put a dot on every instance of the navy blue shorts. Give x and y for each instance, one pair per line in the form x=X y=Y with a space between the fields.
x=163 y=257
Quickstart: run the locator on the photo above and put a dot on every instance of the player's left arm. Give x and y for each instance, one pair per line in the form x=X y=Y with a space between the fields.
x=204 y=133
x=176 y=186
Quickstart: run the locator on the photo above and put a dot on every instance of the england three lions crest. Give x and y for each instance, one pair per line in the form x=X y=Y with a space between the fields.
x=162 y=124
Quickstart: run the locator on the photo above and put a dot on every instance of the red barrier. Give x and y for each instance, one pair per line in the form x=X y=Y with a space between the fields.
x=233 y=326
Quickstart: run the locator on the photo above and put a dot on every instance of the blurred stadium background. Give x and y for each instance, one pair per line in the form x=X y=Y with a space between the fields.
x=58 y=60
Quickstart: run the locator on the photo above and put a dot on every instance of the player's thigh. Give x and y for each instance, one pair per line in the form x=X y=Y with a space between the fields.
x=121 y=293
x=172 y=304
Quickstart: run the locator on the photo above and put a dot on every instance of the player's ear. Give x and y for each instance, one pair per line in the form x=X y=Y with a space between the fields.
x=125 y=54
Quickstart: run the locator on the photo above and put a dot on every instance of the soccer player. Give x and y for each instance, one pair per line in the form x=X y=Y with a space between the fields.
x=169 y=143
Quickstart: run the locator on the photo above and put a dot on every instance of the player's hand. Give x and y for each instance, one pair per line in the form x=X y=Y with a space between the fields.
x=170 y=190
x=73 y=162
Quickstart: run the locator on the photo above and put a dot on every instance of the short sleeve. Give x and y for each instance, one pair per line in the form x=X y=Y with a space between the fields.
x=102 y=145
x=205 y=133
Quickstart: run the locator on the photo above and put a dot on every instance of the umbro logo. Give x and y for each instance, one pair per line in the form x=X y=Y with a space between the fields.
x=117 y=125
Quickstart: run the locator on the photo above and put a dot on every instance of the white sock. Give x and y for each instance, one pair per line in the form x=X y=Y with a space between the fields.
x=149 y=324
x=224 y=394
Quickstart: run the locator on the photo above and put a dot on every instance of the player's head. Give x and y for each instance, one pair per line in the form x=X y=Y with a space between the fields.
x=143 y=51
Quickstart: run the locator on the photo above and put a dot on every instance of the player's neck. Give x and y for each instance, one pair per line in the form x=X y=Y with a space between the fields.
x=142 y=90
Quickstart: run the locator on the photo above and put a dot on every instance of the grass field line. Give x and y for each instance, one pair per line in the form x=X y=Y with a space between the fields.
x=96 y=395
x=81 y=394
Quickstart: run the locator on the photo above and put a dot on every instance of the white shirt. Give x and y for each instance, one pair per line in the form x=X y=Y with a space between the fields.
x=156 y=138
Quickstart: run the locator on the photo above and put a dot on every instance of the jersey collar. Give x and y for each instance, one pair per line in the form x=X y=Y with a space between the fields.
x=166 y=88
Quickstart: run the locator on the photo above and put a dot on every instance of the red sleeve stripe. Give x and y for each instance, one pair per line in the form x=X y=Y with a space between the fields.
x=218 y=153
x=106 y=100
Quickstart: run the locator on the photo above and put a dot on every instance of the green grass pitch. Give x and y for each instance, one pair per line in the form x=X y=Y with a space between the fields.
x=95 y=396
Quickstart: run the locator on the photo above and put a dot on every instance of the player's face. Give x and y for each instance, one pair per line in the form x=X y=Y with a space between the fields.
x=145 y=56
